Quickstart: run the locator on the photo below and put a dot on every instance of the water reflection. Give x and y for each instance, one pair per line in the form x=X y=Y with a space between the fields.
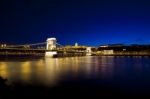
x=52 y=71
x=25 y=72
x=107 y=66
x=4 y=70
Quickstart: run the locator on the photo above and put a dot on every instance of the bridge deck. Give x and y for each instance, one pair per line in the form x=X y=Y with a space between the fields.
x=37 y=52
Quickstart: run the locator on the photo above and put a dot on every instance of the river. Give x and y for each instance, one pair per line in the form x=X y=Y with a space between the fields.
x=128 y=74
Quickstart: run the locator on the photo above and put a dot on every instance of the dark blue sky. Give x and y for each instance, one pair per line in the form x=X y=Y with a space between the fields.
x=88 y=22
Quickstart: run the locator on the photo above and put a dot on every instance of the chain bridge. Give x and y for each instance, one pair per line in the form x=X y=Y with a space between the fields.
x=50 y=48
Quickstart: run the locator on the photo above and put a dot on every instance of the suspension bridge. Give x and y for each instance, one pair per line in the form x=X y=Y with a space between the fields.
x=49 y=48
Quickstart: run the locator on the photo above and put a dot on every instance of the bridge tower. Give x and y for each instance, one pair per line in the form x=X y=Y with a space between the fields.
x=51 y=44
x=50 y=47
x=88 y=51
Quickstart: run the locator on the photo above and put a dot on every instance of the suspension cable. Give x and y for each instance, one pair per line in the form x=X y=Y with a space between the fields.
x=27 y=44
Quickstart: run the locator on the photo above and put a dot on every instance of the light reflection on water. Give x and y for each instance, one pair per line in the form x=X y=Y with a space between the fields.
x=51 y=71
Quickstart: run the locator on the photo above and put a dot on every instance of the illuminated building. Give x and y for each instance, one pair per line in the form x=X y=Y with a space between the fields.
x=76 y=44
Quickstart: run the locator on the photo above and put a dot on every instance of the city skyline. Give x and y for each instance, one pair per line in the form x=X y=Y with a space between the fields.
x=90 y=22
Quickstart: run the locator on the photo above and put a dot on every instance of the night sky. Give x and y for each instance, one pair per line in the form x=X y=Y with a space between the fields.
x=88 y=22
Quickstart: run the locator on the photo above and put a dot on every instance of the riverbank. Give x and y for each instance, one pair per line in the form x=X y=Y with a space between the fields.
x=123 y=53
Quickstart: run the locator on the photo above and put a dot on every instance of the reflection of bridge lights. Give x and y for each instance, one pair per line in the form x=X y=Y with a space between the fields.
x=3 y=70
x=26 y=67
x=51 y=70
x=39 y=63
x=26 y=70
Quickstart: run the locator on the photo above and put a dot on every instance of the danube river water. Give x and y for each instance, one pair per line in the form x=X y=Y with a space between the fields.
x=126 y=74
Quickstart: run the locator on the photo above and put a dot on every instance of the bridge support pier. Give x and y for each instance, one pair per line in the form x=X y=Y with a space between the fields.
x=50 y=53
